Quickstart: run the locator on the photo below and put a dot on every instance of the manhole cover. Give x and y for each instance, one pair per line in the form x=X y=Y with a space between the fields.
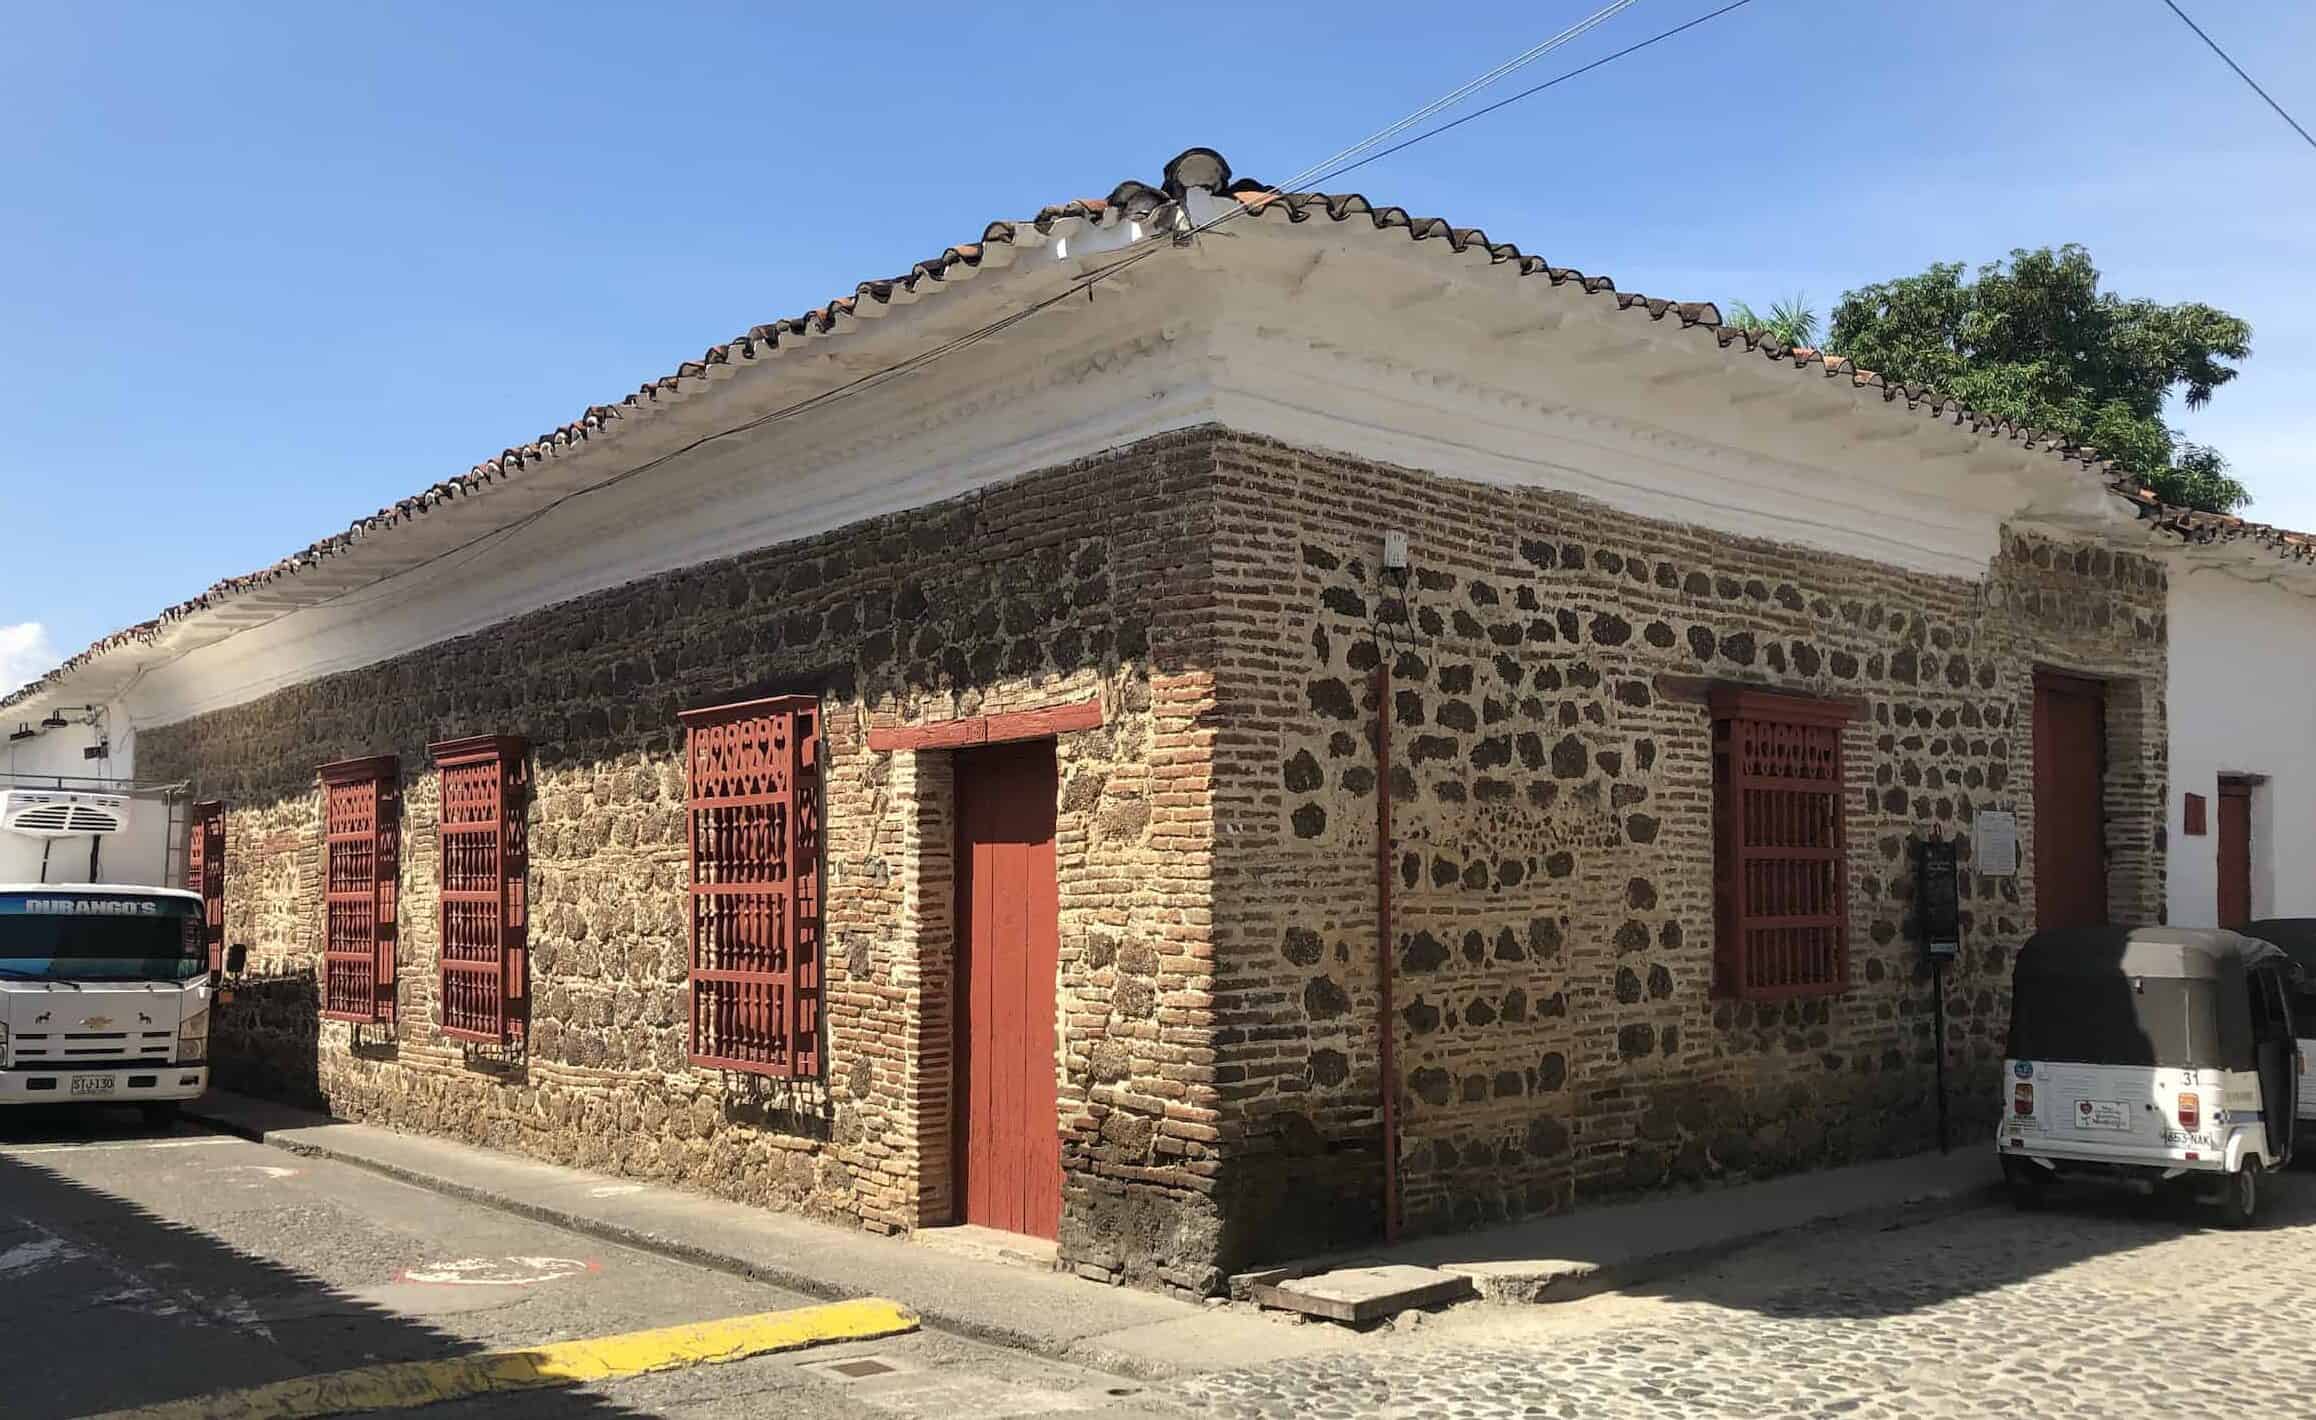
x=855 y=1368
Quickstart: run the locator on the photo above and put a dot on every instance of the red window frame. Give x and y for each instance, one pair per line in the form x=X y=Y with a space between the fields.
x=1781 y=863
x=361 y=882
x=205 y=874
x=482 y=915
x=753 y=813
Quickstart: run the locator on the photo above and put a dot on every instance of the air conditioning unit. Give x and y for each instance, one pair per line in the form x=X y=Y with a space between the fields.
x=53 y=813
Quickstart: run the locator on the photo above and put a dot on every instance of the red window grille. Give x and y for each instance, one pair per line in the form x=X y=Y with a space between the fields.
x=361 y=873
x=483 y=845
x=205 y=874
x=755 y=829
x=1781 y=900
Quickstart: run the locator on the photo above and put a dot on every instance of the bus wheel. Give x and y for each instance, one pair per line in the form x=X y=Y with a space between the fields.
x=2240 y=1199
x=159 y=1114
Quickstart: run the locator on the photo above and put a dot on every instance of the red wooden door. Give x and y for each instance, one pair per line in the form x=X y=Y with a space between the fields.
x=2070 y=820
x=1009 y=952
x=2235 y=852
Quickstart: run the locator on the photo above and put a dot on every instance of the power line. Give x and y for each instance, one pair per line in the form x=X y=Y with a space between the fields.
x=2248 y=79
x=1083 y=285
x=1456 y=96
x=1531 y=92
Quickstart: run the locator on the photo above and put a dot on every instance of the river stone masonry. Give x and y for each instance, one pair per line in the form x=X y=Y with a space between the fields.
x=1218 y=1071
x=1083 y=581
x=1552 y=853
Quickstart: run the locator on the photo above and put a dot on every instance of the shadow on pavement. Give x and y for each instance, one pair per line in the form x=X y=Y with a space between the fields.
x=107 y=1305
x=1913 y=1262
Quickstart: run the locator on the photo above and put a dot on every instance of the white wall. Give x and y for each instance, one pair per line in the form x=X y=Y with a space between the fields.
x=2242 y=702
x=52 y=759
x=58 y=752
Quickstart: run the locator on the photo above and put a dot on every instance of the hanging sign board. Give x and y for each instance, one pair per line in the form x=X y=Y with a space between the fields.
x=1937 y=904
x=1995 y=852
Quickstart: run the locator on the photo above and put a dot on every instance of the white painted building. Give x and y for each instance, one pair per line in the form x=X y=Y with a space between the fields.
x=2242 y=696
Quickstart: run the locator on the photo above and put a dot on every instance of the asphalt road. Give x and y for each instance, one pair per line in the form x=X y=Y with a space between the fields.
x=139 y=1266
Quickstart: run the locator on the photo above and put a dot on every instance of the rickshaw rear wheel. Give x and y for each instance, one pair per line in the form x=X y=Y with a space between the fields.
x=2240 y=1200
x=2026 y=1183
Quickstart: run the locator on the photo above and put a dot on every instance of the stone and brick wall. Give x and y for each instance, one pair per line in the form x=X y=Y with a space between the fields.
x=1074 y=582
x=1552 y=856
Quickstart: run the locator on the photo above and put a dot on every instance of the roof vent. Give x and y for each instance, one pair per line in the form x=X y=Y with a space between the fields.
x=1196 y=167
x=39 y=813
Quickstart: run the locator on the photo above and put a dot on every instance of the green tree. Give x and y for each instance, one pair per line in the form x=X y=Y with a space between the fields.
x=1789 y=323
x=2037 y=342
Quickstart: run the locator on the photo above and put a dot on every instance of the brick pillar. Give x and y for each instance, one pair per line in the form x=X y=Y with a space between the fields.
x=924 y=788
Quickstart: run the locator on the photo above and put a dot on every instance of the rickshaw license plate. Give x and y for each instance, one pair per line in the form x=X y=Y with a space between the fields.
x=2101 y=1114
x=93 y=1084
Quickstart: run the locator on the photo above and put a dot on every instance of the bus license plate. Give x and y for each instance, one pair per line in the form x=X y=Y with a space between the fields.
x=2101 y=1114
x=93 y=1084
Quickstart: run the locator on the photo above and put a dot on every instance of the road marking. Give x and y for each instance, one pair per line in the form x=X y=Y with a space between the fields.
x=407 y=1384
x=499 y=1271
x=267 y=1173
x=125 y=1144
x=40 y=1252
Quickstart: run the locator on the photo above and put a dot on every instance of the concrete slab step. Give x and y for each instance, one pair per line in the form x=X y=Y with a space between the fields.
x=1362 y=1294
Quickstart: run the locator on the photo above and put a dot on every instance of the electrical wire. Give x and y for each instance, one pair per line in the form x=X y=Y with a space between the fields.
x=1318 y=171
x=1347 y=160
x=1456 y=96
x=1553 y=82
x=1331 y=168
x=2248 y=79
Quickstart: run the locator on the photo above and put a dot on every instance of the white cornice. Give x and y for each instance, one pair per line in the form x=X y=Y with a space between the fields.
x=949 y=430
x=1462 y=368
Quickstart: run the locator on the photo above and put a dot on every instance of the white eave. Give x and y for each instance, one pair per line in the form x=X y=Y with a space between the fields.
x=1679 y=352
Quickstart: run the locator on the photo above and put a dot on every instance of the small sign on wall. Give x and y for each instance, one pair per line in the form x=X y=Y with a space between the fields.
x=1994 y=847
x=2193 y=815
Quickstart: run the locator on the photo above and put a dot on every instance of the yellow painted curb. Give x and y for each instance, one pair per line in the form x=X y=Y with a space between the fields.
x=402 y=1385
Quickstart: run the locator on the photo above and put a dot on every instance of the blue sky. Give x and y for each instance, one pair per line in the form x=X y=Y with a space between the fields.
x=272 y=266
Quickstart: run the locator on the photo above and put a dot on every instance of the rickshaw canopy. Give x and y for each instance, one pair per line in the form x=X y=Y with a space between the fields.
x=2296 y=936
x=2153 y=996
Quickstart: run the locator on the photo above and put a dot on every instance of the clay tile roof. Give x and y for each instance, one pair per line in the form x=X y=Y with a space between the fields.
x=2198 y=527
x=1137 y=201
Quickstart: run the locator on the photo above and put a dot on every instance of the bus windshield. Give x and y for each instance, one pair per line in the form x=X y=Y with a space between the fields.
x=90 y=935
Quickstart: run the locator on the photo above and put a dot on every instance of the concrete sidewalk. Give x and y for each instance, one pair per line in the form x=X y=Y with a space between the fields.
x=1569 y=1255
x=979 y=1289
x=964 y=1290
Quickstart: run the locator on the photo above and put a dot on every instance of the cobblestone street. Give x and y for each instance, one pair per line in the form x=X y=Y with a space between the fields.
x=2106 y=1305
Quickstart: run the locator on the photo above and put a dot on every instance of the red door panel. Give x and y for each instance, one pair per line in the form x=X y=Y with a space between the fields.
x=2235 y=852
x=1009 y=954
x=2070 y=819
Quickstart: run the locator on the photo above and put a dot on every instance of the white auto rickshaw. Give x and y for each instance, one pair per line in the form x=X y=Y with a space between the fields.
x=2164 y=1055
